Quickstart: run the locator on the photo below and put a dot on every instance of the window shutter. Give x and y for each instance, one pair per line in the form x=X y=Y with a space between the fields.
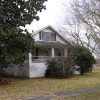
x=40 y=35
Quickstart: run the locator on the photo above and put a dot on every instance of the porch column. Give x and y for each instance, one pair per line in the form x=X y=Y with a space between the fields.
x=65 y=52
x=52 y=52
x=30 y=58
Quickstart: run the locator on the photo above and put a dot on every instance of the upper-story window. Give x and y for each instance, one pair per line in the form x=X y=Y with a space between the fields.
x=47 y=36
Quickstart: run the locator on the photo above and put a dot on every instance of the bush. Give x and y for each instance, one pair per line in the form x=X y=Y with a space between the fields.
x=83 y=58
x=57 y=70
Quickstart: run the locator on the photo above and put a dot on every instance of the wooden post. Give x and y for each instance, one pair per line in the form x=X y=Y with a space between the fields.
x=53 y=52
x=65 y=52
x=30 y=58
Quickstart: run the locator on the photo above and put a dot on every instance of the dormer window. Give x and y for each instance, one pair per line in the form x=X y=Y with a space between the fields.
x=47 y=36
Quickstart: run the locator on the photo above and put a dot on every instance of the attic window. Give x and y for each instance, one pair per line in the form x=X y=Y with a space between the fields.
x=47 y=36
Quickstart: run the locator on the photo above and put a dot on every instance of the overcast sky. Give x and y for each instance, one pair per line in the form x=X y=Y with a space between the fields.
x=51 y=16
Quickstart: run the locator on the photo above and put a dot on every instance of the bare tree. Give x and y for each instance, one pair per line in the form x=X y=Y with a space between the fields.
x=83 y=24
x=87 y=12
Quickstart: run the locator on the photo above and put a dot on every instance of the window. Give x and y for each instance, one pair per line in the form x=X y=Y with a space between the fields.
x=47 y=36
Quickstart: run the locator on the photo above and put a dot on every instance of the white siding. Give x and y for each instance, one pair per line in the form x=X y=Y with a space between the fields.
x=37 y=70
x=36 y=36
x=58 y=38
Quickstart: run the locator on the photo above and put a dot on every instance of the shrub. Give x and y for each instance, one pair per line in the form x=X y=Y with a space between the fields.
x=57 y=70
x=83 y=58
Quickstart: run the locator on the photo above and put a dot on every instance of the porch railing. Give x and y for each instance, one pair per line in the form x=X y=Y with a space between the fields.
x=45 y=58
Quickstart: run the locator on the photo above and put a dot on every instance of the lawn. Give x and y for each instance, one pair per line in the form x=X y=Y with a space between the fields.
x=20 y=88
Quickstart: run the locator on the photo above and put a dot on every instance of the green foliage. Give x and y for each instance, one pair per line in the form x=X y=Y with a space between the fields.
x=15 y=13
x=14 y=41
x=83 y=58
x=57 y=70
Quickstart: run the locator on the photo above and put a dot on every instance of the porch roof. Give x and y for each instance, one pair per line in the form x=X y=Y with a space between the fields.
x=54 y=44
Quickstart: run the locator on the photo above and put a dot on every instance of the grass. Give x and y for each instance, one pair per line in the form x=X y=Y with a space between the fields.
x=92 y=96
x=20 y=88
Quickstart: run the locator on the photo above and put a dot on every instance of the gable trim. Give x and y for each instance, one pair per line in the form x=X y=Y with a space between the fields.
x=49 y=26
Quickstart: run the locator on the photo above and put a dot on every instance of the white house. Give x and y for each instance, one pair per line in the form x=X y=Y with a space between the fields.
x=48 y=44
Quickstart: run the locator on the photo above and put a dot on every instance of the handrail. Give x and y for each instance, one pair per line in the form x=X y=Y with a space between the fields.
x=48 y=56
x=44 y=58
x=37 y=57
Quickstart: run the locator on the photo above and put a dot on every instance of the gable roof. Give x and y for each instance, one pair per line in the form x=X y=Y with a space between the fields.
x=49 y=26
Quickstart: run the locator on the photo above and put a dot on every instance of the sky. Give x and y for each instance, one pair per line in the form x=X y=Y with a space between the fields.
x=53 y=15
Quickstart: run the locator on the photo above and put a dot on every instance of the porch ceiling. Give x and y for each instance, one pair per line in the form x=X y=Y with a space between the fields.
x=49 y=44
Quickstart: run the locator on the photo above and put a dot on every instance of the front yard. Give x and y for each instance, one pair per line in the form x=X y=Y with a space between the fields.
x=20 y=88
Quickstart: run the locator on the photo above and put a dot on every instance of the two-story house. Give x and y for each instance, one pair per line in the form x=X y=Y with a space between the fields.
x=48 y=44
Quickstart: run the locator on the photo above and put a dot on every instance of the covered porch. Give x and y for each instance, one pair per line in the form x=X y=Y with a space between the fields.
x=47 y=50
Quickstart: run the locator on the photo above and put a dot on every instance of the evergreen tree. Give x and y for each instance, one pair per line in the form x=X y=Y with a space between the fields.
x=83 y=58
x=14 y=41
